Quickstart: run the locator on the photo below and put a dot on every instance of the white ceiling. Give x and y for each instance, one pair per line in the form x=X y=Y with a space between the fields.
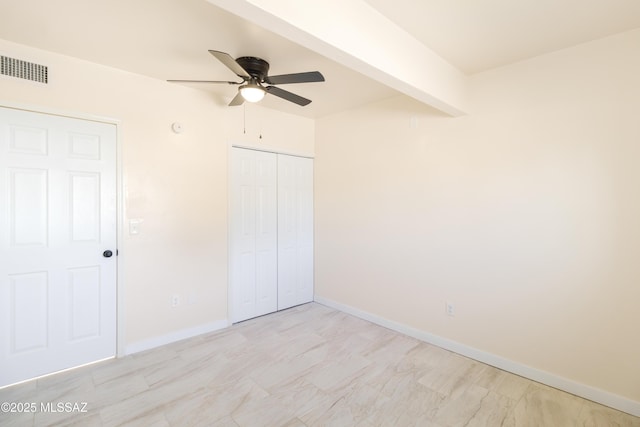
x=477 y=35
x=169 y=39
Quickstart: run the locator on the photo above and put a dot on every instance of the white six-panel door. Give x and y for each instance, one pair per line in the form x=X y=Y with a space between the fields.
x=271 y=232
x=295 y=231
x=57 y=217
x=253 y=234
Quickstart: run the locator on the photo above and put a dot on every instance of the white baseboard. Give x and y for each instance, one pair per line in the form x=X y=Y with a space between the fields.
x=175 y=336
x=591 y=393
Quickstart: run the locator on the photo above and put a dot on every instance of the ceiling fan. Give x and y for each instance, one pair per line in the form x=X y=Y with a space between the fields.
x=254 y=74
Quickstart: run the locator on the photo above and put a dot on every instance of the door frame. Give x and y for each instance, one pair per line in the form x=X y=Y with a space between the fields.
x=230 y=147
x=120 y=296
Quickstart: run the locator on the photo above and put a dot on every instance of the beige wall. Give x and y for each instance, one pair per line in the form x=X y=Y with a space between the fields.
x=176 y=184
x=523 y=214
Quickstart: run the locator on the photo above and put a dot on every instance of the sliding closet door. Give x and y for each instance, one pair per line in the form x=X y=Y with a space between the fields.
x=253 y=238
x=295 y=231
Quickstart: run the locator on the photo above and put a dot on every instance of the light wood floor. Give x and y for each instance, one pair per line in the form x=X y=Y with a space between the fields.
x=306 y=366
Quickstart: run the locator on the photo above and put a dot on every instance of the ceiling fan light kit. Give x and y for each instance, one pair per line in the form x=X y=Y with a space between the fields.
x=254 y=74
x=252 y=92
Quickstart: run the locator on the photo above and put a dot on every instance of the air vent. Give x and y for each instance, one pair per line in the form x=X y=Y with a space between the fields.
x=23 y=70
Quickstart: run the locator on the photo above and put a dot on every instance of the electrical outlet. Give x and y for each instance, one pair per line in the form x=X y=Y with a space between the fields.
x=175 y=300
x=450 y=309
x=192 y=298
x=413 y=122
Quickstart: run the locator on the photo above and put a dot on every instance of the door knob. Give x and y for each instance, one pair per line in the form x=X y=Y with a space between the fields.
x=107 y=254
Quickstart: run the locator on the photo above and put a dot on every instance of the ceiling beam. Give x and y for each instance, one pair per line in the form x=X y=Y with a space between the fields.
x=355 y=35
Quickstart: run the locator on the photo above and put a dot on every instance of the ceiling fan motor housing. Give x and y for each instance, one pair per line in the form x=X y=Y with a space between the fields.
x=256 y=67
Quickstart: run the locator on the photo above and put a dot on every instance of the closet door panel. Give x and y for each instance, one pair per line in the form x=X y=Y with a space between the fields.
x=304 y=230
x=295 y=231
x=252 y=234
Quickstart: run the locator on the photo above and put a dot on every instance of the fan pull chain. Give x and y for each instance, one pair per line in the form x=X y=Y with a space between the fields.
x=244 y=119
x=259 y=121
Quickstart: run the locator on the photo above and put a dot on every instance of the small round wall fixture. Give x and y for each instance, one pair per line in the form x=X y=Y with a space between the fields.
x=177 y=127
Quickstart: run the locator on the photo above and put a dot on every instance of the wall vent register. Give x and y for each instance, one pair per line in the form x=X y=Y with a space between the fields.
x=24 y=70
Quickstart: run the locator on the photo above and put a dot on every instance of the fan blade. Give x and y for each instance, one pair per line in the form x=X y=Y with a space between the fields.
x=231 y=63
x=309 y=77
x=205 y=81
x=238 y=100
x=281 y=93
